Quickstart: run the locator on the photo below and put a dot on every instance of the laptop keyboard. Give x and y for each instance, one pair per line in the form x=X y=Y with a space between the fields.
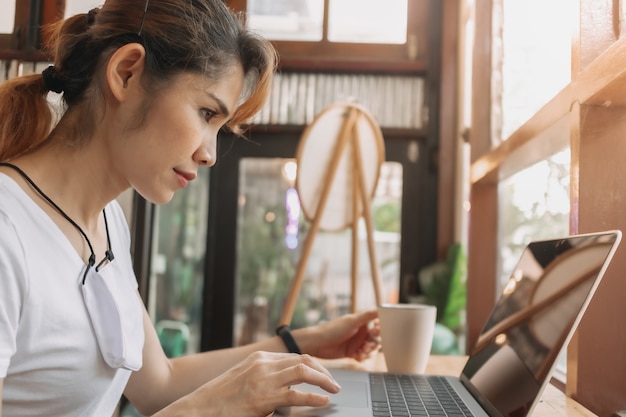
x=403 y=395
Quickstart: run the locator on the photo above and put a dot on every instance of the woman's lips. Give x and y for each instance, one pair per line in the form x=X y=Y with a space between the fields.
x=185 y=177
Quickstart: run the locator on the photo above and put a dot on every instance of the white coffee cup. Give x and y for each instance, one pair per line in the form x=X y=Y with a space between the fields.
x=406 y=332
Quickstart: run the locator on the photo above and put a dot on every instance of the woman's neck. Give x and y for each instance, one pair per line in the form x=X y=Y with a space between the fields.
x=76 y=179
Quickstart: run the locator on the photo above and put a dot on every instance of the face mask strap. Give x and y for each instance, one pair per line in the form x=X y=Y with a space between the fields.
x=92 y=258
x=108 y=255
x=92 y=261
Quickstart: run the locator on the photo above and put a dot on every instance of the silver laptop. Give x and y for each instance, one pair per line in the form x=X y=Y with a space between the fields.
x=515 y=354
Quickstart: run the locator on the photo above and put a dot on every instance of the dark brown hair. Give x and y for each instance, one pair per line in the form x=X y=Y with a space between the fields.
x=201 y=36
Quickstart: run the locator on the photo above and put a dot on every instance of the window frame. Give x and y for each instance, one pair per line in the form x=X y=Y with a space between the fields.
x=21 y=38
x=27 y=39
x=590 y=112
x=325 y=55
x=25 y=43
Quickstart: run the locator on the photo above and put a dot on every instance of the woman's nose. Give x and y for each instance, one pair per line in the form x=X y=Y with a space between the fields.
x=206 y=153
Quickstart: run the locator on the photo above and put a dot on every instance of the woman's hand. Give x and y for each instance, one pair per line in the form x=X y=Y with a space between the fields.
x=257 y=386
x=350 y=336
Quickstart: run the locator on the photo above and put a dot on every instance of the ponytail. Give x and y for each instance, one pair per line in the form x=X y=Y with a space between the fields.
x=201 y=36
x=25 y=117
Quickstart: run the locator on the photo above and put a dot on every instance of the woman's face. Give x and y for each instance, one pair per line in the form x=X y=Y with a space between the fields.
x=179 y=133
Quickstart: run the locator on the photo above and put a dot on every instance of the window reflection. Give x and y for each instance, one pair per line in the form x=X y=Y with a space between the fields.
x=530 y=324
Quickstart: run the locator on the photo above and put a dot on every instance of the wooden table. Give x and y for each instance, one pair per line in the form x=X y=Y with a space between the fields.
x=553 y=403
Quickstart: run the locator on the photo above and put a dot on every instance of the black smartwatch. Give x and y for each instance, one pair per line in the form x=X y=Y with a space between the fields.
x=285 y=333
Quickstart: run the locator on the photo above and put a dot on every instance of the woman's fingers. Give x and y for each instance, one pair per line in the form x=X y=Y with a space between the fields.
x=269 y=378
x=260 y=384
x=307 y=370
x=297 y=398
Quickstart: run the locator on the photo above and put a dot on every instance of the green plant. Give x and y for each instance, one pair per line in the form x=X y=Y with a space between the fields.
x=443 y=284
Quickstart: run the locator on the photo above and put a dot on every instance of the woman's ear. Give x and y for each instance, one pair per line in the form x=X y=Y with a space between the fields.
x=124 y=69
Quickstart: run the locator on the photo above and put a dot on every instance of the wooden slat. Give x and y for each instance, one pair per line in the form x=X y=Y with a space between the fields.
x=482 y=239
x=602 y=82
x=448 y=199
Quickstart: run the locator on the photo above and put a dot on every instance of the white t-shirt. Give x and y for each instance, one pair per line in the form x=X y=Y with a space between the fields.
x=49 y=357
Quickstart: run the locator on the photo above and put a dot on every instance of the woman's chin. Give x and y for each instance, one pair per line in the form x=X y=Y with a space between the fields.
x=158 y=199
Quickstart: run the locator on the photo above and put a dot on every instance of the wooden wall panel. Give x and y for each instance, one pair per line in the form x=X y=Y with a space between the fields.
x=447 y=204
x=483 y=260
x=483 y=231
x=599 y=27
x=601 y=340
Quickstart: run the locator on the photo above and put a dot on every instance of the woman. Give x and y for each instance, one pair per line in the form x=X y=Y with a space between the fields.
x=146 y=87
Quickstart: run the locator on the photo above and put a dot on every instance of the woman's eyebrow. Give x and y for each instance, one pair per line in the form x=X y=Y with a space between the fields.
x=223 y=109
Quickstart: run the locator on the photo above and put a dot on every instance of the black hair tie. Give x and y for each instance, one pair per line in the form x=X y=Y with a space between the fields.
x=91 y=16
x=51 y=81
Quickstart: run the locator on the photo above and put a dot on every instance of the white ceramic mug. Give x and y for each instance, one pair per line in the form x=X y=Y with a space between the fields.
x=406 y=332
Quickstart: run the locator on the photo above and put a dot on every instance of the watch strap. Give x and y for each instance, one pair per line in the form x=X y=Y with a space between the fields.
x=285 y=334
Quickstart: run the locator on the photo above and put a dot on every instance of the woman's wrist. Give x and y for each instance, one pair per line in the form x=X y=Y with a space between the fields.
x=305 y=339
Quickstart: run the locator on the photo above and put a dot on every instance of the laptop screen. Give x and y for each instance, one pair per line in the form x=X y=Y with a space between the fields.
x=534 y=318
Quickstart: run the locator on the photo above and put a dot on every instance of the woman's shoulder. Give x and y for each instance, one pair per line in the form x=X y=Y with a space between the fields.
x=12 y=252
x=13 y=199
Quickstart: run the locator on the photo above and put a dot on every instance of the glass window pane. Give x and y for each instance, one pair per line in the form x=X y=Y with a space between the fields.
x=367 y=21
x=297 y=20
x=270 y=235
x=7 y=17
x=73 y=7
x=534 y=204
x=177 y=272
x=536 y=56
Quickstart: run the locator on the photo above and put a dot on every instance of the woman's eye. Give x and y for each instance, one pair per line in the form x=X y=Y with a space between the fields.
x=207 y=114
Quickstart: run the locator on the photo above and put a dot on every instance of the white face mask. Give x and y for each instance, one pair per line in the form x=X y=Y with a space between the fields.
x=116 y=317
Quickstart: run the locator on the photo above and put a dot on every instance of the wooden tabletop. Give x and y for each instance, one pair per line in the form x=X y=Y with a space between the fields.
x=553 y=403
